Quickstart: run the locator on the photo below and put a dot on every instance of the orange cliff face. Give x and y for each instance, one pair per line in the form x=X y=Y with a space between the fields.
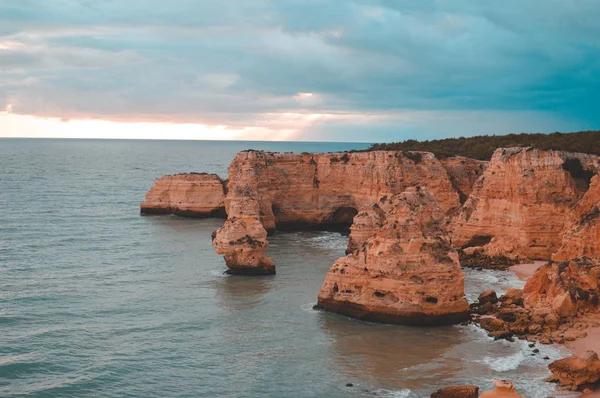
x=464 y=173
x=190 y=194
x=322 y=191
x=407 y=273
x=521 y=204
x=582 y=233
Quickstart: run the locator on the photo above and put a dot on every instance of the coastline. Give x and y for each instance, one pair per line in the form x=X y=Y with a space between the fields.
x=576 y=347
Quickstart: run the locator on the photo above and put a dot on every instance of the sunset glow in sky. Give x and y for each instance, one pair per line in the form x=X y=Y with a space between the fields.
x=352 y=70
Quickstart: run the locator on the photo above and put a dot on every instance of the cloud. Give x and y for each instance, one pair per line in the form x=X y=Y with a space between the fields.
x=249 y=63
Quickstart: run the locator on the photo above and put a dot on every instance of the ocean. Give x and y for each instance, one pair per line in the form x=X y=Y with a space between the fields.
x=98 y=301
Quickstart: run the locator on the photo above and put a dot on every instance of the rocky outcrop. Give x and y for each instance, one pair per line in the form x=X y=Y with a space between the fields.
x=567 y=288
x=463 y=173
x=457 y=392
x=582 y=232
x=407 y=273
x=553 y=307
x=326 y=191
x=190 y=195
x=576 y=373
x=519 y=207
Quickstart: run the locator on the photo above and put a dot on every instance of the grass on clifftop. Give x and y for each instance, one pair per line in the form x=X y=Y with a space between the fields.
x=483 y=146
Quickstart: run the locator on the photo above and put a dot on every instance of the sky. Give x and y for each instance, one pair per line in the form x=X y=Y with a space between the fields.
x=311 y=70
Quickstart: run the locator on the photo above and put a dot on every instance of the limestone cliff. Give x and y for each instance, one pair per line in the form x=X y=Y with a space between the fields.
x=190 y=194
x=464 y=173
x=582 y=232
x=521 y=204
x=406 y=273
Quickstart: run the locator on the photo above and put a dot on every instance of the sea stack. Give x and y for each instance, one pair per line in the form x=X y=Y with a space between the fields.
x=191 y=195
x=407 y=273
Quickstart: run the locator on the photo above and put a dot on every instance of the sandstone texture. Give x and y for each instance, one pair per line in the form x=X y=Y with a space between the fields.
x=407 y=273
x=576 y=373
x=464 y=173
x=190 y=195
x=457 y=392
x=321 y=191
x=242 y=240
x=520 y=206
x=582 y=232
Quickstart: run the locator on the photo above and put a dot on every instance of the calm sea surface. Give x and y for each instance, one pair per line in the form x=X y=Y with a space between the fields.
x=97 y=301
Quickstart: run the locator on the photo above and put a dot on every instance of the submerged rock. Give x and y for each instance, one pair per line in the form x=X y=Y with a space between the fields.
x=407 y=273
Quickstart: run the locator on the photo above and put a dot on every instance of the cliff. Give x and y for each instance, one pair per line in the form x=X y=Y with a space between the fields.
x=522 y=202
x=582 y=232
x=190 y=195
x=464 y=173
x=407 y=273
x=324 y=191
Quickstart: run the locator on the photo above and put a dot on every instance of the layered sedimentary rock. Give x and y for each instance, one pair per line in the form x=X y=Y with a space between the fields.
x=464 y=172
x=406 y=273
x=582 y=232
x=304 y=191
x=521 y=204
x=190 y=194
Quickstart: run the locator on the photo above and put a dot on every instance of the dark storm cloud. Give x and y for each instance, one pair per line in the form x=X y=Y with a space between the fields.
x=231 y=62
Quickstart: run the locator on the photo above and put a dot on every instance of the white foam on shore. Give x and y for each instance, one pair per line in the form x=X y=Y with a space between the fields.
x=504 y=364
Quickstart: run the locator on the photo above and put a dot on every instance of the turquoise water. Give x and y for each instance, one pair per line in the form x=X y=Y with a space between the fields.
x=97 y=301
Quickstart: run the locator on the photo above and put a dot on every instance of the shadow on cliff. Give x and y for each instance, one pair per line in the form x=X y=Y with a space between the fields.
x=394 y=357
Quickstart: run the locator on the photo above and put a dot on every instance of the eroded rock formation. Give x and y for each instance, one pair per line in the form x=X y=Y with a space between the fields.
x=518 y=209
x=190 y=194
x=242 y=240
x=406 y=273
x=324 y=191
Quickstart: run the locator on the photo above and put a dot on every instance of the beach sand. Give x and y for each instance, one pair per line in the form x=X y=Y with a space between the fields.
x=525 y=271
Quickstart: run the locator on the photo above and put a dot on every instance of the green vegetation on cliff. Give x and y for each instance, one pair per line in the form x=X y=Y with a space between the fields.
x=483 y=146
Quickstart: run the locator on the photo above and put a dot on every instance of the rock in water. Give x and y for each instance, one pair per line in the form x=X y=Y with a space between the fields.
x=504 y=389
x=457 y=392
x=190 y=195
x=243 y=240
x=407 y=273
x=575 y=373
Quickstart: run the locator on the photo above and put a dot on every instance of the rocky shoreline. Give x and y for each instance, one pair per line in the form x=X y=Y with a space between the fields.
x=413 y=222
